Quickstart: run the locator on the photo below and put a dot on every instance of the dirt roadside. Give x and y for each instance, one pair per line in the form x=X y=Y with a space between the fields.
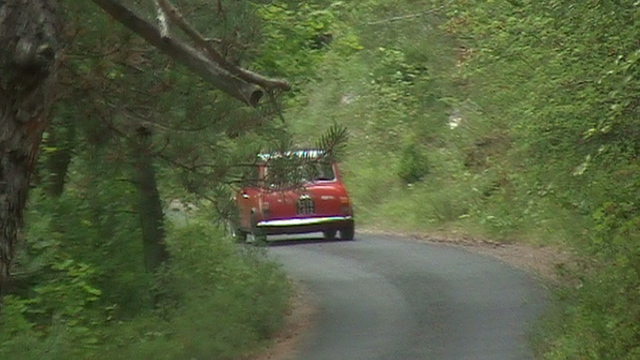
x=542 y=262
x=299 y=319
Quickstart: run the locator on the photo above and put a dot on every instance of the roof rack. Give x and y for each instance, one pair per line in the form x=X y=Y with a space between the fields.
x=303 y=153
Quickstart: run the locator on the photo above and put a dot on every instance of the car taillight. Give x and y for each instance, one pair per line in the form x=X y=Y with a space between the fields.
x=345 y=207
x=266 y=209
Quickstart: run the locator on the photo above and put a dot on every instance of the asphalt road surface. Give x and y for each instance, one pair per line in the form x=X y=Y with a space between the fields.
x=383 y=298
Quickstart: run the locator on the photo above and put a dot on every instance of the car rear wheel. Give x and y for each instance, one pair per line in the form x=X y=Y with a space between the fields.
x=329 y=234
x=348 y=232
x=238 y=235
x=258 y=235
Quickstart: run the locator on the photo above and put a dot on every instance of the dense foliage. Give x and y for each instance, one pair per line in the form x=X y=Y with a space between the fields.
x=123 y=254
x=515 y=120
x=510 y=119
x=565 y=76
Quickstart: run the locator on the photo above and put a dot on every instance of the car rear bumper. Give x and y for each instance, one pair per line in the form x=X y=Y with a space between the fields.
x=305 y=225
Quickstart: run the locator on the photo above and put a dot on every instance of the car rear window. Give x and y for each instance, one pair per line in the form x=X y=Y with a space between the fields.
x=321 y=170
x=278 y=175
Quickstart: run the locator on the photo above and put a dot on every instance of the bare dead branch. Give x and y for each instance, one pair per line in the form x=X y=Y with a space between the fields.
x=201 y=42
x=211 y=72
x=396 y=18
x=407 y=17
x=213 y=40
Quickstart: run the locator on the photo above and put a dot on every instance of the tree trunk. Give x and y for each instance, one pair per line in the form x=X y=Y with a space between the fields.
x=62 y=140
x=30 y=42
x=149 y=205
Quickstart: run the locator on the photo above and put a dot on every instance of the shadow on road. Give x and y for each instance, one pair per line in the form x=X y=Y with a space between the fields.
x=300 y=239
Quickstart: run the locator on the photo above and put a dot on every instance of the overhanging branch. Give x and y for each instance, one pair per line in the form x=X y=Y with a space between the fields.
x=201 y=42
x=184 y=54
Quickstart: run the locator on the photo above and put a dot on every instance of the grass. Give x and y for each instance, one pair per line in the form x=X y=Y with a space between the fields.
x=216 y=301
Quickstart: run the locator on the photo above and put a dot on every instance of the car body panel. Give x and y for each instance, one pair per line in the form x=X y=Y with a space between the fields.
x=310 y=206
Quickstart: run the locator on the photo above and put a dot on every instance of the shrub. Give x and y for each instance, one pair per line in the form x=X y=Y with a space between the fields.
x=414 y=164
x=215 y=300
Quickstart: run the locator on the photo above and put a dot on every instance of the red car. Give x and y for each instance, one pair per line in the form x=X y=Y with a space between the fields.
x=313 y=200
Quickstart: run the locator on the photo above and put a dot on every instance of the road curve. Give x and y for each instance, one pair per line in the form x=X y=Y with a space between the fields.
x=392 y=298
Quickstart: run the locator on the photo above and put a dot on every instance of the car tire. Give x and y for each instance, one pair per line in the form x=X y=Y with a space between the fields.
x=348 y=232
x=259 y=237
x=329 y=234
x=236 y=234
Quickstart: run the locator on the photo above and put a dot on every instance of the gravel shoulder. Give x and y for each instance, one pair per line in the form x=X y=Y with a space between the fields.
x=543 y=262
x=298 y=320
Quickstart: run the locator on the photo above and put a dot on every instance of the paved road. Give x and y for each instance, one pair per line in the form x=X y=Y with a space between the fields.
x=383 y=298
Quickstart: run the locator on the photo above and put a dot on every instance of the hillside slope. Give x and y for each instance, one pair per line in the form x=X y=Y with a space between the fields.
x=514 y=121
